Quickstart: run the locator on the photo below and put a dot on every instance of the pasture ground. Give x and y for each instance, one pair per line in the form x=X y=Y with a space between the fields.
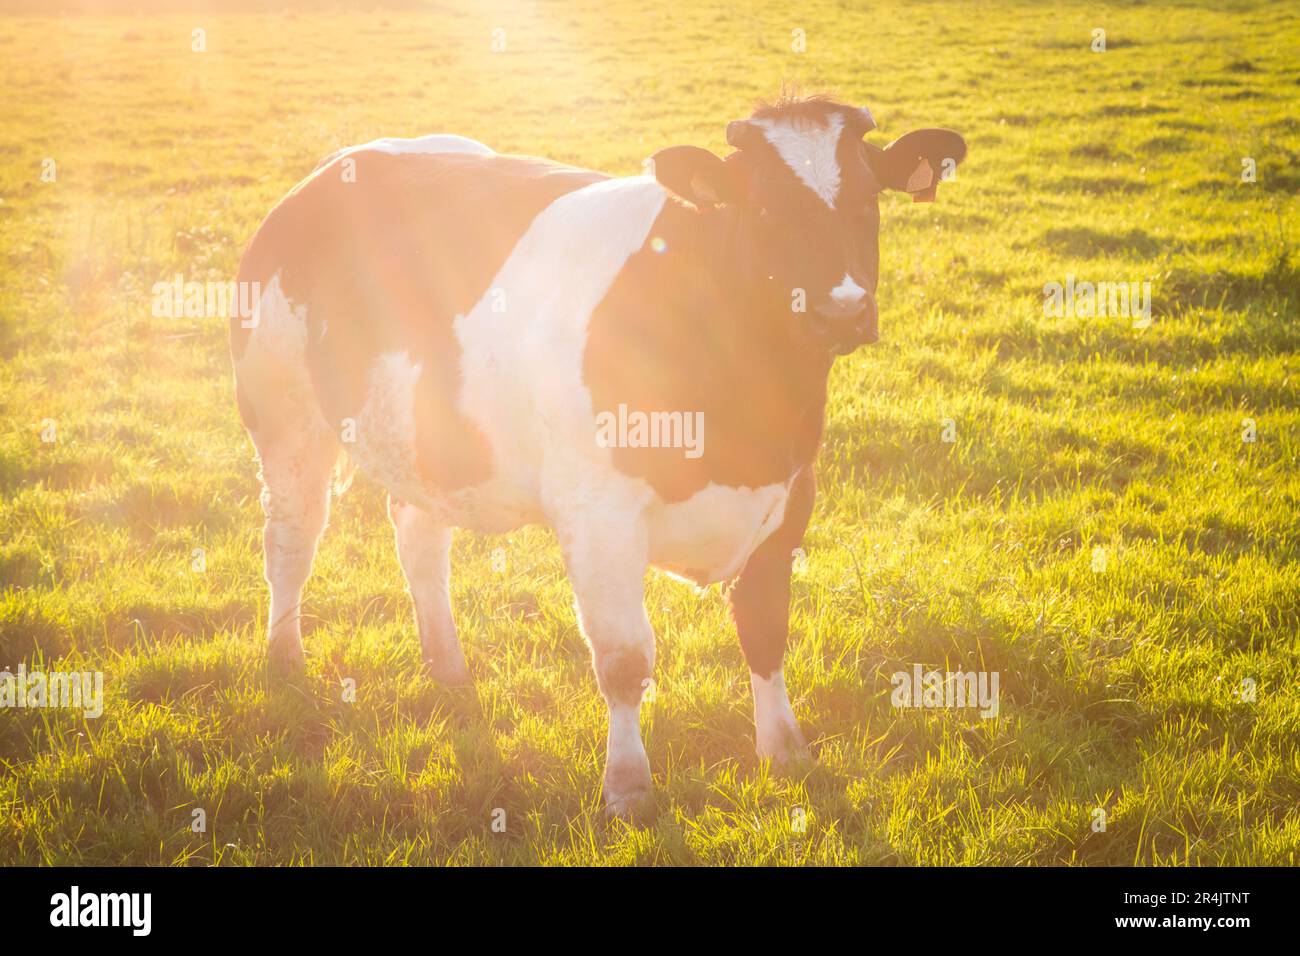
x=1125 y=679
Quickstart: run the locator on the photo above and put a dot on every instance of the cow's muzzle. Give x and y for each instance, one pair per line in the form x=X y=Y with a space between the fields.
x=842 y=327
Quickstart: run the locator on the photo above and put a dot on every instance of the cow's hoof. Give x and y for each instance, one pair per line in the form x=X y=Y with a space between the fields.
x=448 y=673
x=444 y=661
x=793 y=760
x=632 y=806
x=285 y=658
x=628 y=789
x=785 y=747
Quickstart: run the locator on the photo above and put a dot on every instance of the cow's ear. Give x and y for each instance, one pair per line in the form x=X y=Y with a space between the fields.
x=695 y=174
x=916 y=161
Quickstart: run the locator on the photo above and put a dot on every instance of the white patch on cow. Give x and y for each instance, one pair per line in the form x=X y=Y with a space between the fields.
x=435 y=143
x=396 y=146
x=274 y=362
x=776 y=732
x=279 y=328
x=522 y=365
x=384 y=445
x=808 y=148
x=711 y=534
x=848 y=292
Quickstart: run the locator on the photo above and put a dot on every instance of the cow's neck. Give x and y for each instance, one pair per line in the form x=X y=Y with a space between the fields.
x=679 y=331
x=763 y=372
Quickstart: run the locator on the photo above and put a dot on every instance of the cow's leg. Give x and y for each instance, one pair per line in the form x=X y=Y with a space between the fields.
x=760 y=605
x=424 y=549
x=296 y=469
x=606 y=551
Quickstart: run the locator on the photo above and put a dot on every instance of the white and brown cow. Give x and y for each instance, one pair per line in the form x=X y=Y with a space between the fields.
x=455 y=321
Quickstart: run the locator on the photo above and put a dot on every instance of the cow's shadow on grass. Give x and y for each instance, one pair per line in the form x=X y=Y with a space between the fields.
x=318 y=706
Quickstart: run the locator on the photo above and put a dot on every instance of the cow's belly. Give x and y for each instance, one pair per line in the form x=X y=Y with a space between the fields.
x=709 y=536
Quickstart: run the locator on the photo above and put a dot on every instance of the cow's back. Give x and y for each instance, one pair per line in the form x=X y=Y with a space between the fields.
x=379 y=251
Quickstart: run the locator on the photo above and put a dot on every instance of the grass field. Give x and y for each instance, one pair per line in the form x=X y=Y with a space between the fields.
x=1125 y=673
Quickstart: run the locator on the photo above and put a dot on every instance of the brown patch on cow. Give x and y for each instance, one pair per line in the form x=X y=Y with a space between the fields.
x=622 y=673
x=386 y=263
x=760 y=596
x=677 y=333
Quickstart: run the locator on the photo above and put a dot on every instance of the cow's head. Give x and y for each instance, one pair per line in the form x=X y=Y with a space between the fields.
x=805 y=186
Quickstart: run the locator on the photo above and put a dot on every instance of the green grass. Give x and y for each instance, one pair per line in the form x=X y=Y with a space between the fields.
x=1120 y=689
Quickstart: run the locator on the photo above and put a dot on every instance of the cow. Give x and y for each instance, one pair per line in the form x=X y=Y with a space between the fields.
x=461 y=325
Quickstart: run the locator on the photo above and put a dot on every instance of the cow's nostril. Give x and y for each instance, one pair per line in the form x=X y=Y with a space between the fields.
x=841 y=324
